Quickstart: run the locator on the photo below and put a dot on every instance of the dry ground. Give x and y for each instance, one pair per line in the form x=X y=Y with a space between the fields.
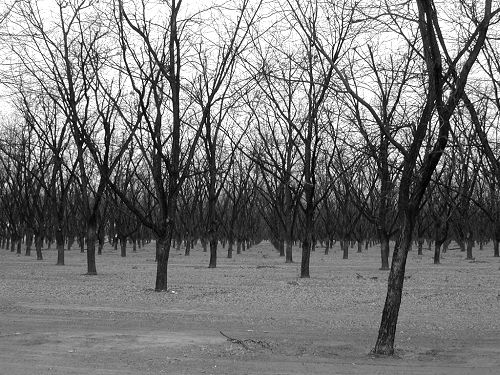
x=57 y=320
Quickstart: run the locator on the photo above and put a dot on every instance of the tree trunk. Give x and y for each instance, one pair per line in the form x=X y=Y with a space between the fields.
x=344 y=247
x=38 y=247
x=81 y=242
x=187 y=248
x=387 y=330
x=123 y=246
x=360 y=247
x=71 y=241
x=60 y=246
x=19 y=242
x=213 y=253
x=496 y=252
x=384 y=252
x=162 y=254
x=101 y=244
x=281 y=244
x=306 y=255
x=91 y=237
x=461 y=243
x=437 y=251
x=308 y=225
x=327 y=247
x=420 y=246
x=238 y=246
x=29 y=242
x=230 y=248
x=289 y=249
x=470 y=245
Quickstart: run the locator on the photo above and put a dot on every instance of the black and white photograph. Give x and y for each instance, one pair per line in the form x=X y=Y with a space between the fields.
x=266 y=187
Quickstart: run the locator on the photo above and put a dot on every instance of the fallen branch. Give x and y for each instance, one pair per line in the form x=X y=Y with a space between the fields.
x=235 y=341
x=263 y=344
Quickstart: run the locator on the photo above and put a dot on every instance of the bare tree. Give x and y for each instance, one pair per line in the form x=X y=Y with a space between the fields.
x=445 y=81
x=57 y=54
x=217 y=90
x=46 y=121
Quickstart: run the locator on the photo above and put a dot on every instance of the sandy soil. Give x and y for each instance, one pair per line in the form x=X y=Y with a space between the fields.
x=57 y=320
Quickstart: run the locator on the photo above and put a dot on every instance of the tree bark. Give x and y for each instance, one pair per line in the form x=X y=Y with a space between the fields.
x=19 y=242
x=470 y=245
x=81 y=242
x=60 y=246
x=306 y=255
x=29 y=242
x=437 y=251
x=91 y=237
x=345 y=249
x=123 y=246
x=308 y=220
x=187 y=248
x=162 y=254
x=101 y=244
x=213 y=253
x=384 y=252
x=38 y=246
x=461 y=244
x=420 y=246
x=387 y=330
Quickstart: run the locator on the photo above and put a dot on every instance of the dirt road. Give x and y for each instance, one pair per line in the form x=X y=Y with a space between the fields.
x=55 y=320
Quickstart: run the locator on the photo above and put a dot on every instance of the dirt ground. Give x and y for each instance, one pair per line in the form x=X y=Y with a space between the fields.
x=250 y=315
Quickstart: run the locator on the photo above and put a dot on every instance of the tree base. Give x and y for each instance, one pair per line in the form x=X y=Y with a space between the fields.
x=384 y=351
